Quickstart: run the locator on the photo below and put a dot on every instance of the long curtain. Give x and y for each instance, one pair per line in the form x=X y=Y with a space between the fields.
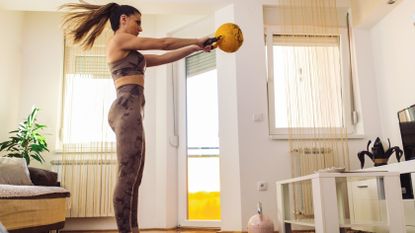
x=309 y=71
x=88 y=161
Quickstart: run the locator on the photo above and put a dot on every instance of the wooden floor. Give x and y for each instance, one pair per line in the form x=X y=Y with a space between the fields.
x=149 y=231
x=213 y=230
x=192 y=231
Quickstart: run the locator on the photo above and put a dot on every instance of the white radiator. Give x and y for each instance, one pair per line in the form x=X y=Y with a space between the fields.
x=91 y=183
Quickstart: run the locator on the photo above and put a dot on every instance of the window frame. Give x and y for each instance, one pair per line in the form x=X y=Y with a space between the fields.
x=283 y=133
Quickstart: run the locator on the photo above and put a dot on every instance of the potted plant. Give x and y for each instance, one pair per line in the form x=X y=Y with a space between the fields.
x=27 y=141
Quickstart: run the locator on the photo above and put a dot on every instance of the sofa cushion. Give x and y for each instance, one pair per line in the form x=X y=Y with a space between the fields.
x=18 y=192
x=43 y=177
x=14 y=171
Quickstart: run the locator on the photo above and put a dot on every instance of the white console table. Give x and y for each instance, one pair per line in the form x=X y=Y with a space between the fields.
x=325 y=203
x=404 y=167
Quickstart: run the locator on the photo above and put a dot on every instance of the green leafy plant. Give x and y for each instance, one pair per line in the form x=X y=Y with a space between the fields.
x=27 y=141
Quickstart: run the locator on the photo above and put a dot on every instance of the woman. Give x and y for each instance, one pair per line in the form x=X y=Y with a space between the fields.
x=85 y=22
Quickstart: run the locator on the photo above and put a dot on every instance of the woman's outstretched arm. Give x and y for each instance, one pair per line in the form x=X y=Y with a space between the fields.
x=155 y=60
x=127 y=41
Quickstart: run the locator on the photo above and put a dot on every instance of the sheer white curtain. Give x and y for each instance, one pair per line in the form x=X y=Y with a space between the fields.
x=308 y=70
x=308 y=73
x=88 y=165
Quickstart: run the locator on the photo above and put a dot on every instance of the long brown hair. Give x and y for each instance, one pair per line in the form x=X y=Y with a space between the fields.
x=85 y=22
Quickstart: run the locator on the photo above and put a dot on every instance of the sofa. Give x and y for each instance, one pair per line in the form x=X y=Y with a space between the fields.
x=31 y=199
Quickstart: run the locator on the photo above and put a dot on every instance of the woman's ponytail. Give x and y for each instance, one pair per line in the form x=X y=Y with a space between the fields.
x=85 y=22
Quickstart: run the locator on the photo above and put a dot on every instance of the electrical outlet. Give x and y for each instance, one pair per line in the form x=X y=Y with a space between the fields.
x=262 y=186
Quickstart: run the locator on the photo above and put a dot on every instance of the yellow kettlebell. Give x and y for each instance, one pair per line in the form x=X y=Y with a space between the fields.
x=228 y=37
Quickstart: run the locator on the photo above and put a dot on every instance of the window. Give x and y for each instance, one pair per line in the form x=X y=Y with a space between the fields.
x=87 y=96
x=304 y=70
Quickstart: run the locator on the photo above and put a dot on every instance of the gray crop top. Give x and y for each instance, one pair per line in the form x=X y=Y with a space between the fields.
x=133 y=63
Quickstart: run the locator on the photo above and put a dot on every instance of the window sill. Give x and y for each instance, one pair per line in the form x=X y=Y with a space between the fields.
x=62 y=152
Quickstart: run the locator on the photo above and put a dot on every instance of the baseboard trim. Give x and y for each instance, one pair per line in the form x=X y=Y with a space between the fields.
x=183 y=229
x=213 y=229
x=159 y=229
x=240 y=231
x=232 y=232
x=178 y=229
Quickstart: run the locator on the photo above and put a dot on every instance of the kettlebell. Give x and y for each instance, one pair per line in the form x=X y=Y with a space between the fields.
x=228 y=37
x=260 y=223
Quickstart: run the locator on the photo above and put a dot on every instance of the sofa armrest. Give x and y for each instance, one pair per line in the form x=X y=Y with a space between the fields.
x=43 y=177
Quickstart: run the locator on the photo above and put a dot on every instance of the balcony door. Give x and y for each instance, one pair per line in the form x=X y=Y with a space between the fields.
x=199 y=177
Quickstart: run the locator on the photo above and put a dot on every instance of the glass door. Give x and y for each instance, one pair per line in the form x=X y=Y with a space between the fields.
x=199 y=176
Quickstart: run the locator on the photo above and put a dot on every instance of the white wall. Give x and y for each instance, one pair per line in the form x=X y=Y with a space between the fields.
x=11 y=24
x=390 y=56
x=248 y=154
x=42 y=68
x=393 y=45
x=229 y=141
x=259 y=158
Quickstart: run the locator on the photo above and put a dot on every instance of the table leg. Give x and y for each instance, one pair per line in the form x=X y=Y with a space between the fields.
x=394 y=204
x=281 y=206
x=326 y=214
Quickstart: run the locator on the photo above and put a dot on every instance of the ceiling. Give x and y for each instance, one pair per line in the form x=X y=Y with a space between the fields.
x=145 y=6
x=371 y=9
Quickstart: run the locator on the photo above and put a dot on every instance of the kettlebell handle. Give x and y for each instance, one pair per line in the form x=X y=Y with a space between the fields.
x=259 y=208
x=211 y=40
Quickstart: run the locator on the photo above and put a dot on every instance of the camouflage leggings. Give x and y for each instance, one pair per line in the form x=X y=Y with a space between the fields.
x=125 y=118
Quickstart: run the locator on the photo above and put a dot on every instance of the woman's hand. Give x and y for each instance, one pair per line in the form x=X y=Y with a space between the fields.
x=206 y=48
x=196 y=48
x=201 y=41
